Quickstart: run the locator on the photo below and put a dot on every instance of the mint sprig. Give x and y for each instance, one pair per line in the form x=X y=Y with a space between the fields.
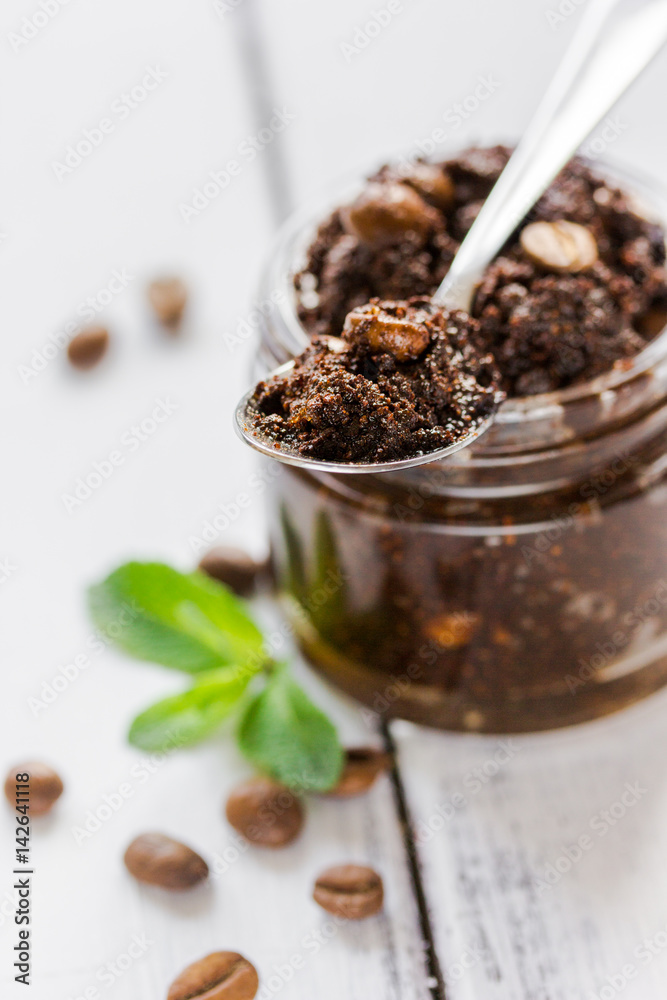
x=185 y=621
x=189 y=622
x=187 y=718
x=283 y=733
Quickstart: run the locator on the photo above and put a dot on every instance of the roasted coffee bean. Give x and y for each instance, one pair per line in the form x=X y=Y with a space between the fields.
x=168 y=297
x=233 y=567
x=431 y=182
x=224 y=975
x=564 y=247
x=44 y=787
x=391 y=332
x=384 y=213
x=362 y=766
x=350 y=891
x=159 y=860
x=265 y=812
x=88 y=347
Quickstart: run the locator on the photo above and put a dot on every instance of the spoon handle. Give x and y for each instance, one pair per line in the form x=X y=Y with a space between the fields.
x=610 y=49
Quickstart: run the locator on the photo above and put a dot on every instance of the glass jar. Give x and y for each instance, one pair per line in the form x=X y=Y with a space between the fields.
x=519 y=585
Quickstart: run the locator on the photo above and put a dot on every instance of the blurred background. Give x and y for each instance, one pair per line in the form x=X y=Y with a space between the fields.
x=120 y=121
x=185 y=88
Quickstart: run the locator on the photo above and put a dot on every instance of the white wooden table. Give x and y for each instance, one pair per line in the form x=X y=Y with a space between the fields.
x=488 y=895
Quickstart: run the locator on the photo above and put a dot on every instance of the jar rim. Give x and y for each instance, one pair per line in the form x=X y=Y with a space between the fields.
x=543 y=413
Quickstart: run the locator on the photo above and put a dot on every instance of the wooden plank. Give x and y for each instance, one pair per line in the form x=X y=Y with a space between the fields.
x=542 y=857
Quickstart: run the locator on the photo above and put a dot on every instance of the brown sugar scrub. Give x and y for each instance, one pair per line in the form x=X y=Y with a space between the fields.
x=403 y=380
x=573 y=293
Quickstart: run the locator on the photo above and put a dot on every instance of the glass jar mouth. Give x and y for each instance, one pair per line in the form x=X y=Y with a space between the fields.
x=522 y=423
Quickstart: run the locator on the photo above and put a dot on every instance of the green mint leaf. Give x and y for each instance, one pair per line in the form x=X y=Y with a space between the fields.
x=284 y=734
x=187 y=718
x=184 y=621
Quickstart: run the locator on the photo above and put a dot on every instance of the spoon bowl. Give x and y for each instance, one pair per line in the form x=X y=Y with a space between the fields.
x=271 y=449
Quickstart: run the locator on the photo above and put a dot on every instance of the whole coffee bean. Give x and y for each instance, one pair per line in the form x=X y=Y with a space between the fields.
x=431 y=182
x=235 y=568
x=44 y=787
x=350 y=891
x=159 y=860
x=389 y=332
x=384 y=213
x=362 y=766
x=224 y=975
x=168 y=297
x=265 y=812
x=88 y=347
x=564 y=247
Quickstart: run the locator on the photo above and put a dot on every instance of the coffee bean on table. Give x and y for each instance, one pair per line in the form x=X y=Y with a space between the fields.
x=384 y=213
x=265 y=812
x=224 y=975
x=351 y=891
x=233 y=567
x=88 y=347
x=168 y=297
x=158 y=860
x=44 y=787
x=564 y=247
x=362 y=766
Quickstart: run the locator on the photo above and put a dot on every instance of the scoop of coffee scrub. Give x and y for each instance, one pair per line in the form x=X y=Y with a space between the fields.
x=404 y=380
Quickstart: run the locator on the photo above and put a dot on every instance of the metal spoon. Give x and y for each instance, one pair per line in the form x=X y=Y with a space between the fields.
x=610 y=49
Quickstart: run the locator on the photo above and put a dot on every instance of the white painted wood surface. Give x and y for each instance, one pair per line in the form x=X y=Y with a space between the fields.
x=481 y=862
